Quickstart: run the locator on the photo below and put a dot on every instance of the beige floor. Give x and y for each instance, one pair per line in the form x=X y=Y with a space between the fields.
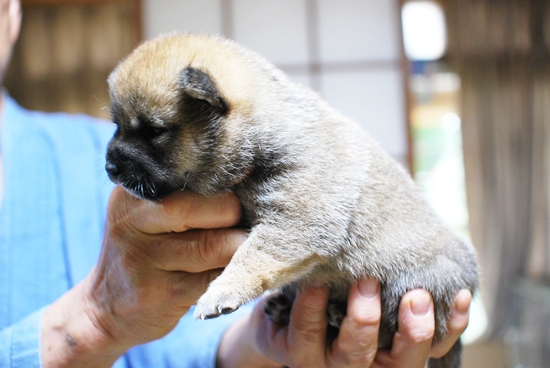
x=485 y=356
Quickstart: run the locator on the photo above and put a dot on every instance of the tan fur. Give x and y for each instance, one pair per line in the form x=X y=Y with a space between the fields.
x=324 y=203
x=203 y=52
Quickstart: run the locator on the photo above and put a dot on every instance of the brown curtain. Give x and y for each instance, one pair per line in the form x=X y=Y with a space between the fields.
x=501 y=51
x=67 y=50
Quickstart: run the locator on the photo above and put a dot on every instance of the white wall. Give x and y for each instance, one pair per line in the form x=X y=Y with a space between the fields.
x=356 y=44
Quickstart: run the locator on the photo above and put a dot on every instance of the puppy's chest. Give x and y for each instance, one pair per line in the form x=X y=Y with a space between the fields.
x=262 y=194
x=256 y=202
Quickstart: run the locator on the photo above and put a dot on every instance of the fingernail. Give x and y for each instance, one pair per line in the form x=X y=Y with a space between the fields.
x=462 y=302
x=420 y=304
x=368 y=288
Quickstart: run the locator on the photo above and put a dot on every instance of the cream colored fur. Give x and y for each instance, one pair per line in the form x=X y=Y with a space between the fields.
x=325 y=204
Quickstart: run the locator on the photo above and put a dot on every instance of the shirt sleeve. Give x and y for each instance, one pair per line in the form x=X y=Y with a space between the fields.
x=192 y=344
x=20 y=343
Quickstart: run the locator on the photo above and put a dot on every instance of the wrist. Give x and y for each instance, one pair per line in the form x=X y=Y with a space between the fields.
x=72 y=335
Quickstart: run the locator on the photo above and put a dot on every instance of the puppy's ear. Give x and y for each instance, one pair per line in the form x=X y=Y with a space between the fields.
x=200 y=85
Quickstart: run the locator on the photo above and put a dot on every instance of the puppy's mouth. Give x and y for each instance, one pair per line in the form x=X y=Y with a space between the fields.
x=144 y=188
x=141 y=185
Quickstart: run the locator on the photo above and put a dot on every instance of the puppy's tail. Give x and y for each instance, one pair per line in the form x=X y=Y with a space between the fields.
x=453 y=359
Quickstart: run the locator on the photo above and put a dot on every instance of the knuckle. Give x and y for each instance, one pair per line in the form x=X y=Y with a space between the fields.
x=310 y=333
x=365 y=318
x=358 y=358
x=311 y=319
x=309 y=327
x=360 y=347
x=129 y=242
x=303 y=358
x=355 y=350
x=159 y=251
x=177 y=209
x=351 y=353
x=173 y=214
x=419 y=336
x=208 y=249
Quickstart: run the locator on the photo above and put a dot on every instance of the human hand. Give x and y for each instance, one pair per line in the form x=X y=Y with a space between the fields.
x=254 y=341
x=153 y=266
x=412 y=344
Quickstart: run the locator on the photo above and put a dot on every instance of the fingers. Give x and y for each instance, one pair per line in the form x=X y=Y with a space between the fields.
x=187 y=288
x=150 y=240
x=458 y=321
x=187 y=210
x=302 y=342
x=239 y=346
x=154 y=233
x=357 y=343
x=307 y=328
x=197 y=250
x=194 y=259
x=271 y=339
x=176 y=213
x=412 y=342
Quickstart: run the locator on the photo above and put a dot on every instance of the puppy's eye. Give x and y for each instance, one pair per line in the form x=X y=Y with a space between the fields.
x=158 y=131
x=155 y=131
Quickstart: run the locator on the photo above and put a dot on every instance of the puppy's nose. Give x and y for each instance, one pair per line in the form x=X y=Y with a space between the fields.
x=112 y=169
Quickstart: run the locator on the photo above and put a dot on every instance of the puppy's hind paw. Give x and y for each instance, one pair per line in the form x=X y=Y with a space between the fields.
x=336 y=312
x=278 y=308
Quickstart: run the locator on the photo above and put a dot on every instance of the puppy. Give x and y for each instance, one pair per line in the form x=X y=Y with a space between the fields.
x=324 y=203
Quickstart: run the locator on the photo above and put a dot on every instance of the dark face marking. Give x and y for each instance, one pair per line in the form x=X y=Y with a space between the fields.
x=140 y=160
x=153 y=156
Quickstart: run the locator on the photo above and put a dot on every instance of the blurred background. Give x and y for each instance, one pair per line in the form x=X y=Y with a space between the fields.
x=458 y=91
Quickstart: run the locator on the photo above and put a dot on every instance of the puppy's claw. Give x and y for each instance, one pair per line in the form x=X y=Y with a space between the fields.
x=210 y=307
x=227 y=310
x=201 y=313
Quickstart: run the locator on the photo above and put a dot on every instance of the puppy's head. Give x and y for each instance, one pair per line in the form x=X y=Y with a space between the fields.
x=171 y=114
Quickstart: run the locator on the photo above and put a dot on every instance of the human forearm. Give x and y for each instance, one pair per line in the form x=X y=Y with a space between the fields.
x=150 y=271
x=71 y=335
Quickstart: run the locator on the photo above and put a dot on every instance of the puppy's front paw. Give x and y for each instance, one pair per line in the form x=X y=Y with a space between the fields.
x=216 y=302
x=225 y=295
